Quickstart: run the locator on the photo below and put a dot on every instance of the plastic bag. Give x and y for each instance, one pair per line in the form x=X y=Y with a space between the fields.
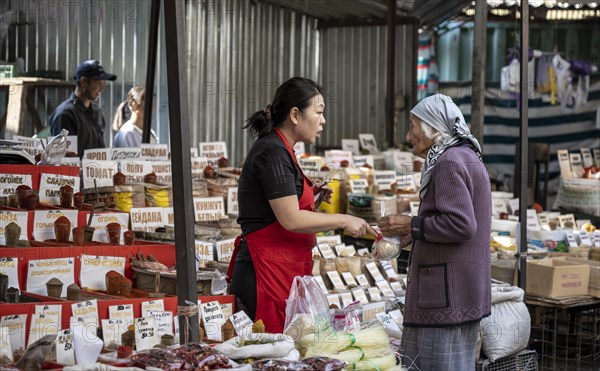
x=218 y=285
x=308 y=303
x=55 y=149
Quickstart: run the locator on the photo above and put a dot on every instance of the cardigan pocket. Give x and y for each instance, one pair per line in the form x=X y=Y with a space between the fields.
x=433 y=286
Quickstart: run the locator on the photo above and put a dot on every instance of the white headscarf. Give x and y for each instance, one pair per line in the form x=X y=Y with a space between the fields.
x=440 y=112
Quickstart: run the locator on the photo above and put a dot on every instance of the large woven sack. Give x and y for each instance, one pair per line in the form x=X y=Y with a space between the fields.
x=582 y=195
x=506 y=331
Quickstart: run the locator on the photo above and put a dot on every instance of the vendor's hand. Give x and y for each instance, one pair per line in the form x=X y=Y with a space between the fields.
x=325 y=193
x=395 y=225
x=357 y=227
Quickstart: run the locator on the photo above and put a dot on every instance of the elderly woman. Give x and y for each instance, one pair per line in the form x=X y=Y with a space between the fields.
x=448 y=290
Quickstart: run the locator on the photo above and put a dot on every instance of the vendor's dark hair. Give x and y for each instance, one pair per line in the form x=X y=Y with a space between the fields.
x=295 y=92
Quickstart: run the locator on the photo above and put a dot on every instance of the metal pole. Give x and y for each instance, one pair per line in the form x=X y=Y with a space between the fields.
x=151 y=69
x=391 y=68
x=522 y=166
x=179 y=127
x=479 y=60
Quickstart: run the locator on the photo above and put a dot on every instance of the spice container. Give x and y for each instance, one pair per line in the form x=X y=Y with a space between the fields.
x=54 y=287
x=31 y=201
x=22 y=192
x=73 y=292
x=114 y=232
x=129 y=237
x=78 y=235
x=12 y=233
x=62 y=229
x=66 y=196
x=78 y=199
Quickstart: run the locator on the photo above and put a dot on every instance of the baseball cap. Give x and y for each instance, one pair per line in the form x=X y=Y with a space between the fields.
x=92 y=69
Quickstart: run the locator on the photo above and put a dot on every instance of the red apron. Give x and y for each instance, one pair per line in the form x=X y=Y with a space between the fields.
x=278 y=256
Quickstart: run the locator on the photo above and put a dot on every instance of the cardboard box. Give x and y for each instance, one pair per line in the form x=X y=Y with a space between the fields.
x=557 y=277
x=594 y=285
x=505 y=270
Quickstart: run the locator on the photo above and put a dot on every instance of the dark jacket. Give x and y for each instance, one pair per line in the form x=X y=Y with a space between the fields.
x=87 y=123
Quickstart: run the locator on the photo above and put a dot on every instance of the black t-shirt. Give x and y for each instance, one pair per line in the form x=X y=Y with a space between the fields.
x=87 y=123
x=269 y=172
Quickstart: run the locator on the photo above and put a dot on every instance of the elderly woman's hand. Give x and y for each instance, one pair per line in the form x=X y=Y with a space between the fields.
x=395 y=225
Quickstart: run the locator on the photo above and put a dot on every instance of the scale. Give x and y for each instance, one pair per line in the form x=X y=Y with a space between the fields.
x=9 y=154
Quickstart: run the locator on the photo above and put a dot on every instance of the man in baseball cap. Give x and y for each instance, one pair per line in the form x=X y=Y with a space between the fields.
x=80 y=114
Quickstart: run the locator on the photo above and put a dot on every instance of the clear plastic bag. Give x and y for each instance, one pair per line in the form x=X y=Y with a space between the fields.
x=55 y=149
x=307 y=309
x=543 y=79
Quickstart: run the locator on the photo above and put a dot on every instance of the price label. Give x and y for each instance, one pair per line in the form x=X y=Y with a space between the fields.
x=41 y=271
x=42 y=325
x=225 y=250
x=349 y=279
x=65 y=351
x=336 y=280
x=209 y=208
x=372 y=268
x=499 y=207
x=146 y=219
x=213 y=318
x=576 y=164
x=334 y=300
x=135 y=170
x=346 y=299
x=100 y=221
x=585 y=238
x=326 y=251
x=50 y=187
x=370 y=310
x=204 y=253
x=564 y=163
x=567 y=221
x=241 y=323
x=360 y=161
x=362 y=280
x=396 y=287
x=586 y=157
x=351 y=145
x=50 y=310
x=374 y=294
x=596 y=236
x=359 y=186
x=97 y=154
x=100 y=171
x=164 y=322
x=533 y=222
x=95 y=268
x=112 y=329
x=362 y=252
x=359 y=294
x=5 y=346
x=406 y=183
x=385 y=288
x=335 y=157
x=571 y=240
x=514 y=205
x=43 y=222
x=232 y=201
x=10 y=182
x=384 y=179
x=198 y=165
x=152 y=306
x=86 y=309
x=162 y=169
x=388 y=323
x=121 y=312
x=367 y=141
x=146 y=335
x=213 y=150
x=15 y=324
x=154 y=151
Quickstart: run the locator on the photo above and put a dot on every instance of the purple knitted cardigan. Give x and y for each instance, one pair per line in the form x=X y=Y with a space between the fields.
x=449 y=270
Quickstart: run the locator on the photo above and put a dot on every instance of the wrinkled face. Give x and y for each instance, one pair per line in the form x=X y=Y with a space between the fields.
x=415 y=136
x=92 y=89
x=311 y=120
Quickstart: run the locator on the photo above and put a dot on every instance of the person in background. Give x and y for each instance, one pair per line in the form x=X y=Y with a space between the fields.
x=276 y=204
x=449 y=274
x=79 y=114
x=129 y=134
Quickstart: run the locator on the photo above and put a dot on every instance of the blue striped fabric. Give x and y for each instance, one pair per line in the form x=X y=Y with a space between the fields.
x=546 y=125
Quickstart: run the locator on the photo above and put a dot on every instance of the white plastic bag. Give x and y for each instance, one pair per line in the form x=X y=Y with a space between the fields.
x=507 y=330
x=307 y=309
x=257 y=346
